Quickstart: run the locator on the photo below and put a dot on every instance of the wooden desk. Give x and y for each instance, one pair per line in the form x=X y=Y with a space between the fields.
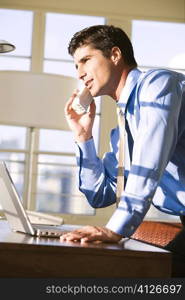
x=31 y=257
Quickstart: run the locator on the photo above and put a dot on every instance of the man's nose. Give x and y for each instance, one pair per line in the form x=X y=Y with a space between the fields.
x=81 y=73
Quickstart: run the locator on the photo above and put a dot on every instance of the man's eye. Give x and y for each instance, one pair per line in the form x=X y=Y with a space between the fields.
x=86 y=59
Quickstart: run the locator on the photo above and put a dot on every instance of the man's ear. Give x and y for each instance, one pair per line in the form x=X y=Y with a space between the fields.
x=116 y=55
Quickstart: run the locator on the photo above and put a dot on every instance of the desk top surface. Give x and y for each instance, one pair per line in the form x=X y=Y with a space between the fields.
x=125 y=246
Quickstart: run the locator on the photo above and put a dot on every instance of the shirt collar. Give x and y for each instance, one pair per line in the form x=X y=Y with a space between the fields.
x=130 y=83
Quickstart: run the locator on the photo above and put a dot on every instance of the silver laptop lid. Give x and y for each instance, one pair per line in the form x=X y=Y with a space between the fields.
x=11 y=203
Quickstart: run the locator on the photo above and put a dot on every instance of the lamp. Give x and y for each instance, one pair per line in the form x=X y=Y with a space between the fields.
x=6 y=46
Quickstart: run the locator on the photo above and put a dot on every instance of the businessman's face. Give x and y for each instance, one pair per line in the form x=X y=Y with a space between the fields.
x=98 y=72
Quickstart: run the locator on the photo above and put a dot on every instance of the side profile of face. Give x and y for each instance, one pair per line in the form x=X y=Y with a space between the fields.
x=99 y=73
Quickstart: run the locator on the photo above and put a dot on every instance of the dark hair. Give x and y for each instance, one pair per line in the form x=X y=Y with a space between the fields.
x=104 y=38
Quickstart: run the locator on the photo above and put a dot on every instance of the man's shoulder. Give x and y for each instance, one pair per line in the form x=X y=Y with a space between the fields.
x=161 y=72
x=156 y=72
x=155 y=84
x=157 y=76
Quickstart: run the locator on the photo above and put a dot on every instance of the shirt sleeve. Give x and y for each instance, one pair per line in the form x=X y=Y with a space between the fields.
x=95 y=182
x=159 y=106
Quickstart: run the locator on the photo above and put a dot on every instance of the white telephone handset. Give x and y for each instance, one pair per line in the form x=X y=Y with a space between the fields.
x=82 y=101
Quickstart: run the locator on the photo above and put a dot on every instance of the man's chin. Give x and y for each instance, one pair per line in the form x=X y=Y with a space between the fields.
x=94 y=93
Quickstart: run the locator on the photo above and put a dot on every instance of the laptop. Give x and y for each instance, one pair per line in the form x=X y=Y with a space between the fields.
x=17 y=216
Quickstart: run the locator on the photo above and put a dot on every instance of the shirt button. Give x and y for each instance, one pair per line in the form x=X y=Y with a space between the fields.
x=181 y=212
x=149 y=199
x=132 y=227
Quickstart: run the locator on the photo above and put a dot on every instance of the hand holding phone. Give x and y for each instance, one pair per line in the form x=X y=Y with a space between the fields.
x=82 y=101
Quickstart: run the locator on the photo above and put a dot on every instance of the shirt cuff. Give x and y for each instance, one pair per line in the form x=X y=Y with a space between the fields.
x=86 y=149
x=124 y=222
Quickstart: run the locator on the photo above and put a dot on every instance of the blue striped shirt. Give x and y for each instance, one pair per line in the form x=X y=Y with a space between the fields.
x=153 y=103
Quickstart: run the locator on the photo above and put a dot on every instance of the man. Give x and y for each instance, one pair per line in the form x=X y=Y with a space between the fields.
x=153 y=105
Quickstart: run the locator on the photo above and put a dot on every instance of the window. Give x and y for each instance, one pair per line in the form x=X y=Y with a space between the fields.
x=159 y=44
x=13 y=151
x=16 y=27
x=57 y=189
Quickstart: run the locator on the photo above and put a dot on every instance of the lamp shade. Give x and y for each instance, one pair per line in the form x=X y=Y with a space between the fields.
x=6 y=46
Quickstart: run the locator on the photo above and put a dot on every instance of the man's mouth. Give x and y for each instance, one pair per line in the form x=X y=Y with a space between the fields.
x=88 y=83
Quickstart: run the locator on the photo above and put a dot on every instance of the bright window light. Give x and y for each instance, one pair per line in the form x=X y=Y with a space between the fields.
x=159 y=44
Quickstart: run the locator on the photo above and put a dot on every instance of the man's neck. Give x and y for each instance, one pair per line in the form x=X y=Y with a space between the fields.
x=121 y=83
